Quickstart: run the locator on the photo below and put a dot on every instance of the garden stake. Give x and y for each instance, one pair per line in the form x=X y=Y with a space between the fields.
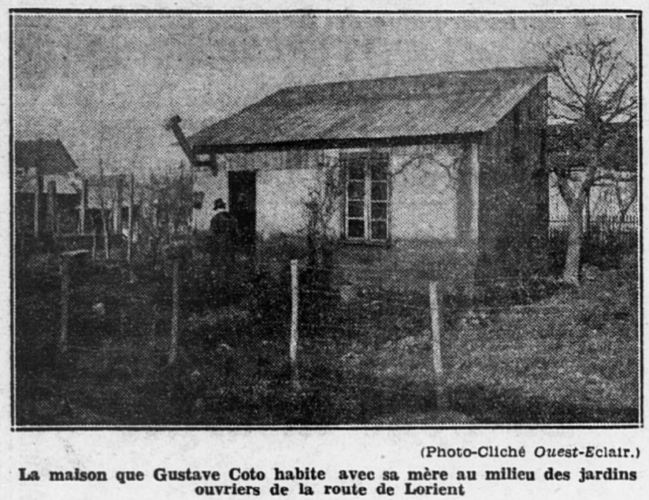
x=175 y=310
x=294 y=321
x=436 y=345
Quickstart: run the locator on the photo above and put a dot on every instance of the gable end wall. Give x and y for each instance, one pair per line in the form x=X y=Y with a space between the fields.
x=513 y=196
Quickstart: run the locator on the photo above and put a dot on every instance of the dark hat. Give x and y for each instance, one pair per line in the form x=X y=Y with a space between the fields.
x=219 y=204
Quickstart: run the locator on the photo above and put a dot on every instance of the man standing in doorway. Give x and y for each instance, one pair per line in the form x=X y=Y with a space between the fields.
x=223 y=231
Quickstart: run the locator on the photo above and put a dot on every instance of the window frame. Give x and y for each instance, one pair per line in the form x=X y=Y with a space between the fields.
x=369 y=158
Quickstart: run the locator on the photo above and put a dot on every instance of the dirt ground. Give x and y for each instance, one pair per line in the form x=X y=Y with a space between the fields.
x=569 y=357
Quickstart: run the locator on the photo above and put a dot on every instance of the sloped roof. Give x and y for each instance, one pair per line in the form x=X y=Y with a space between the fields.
x=48 y=157
x=409 y=106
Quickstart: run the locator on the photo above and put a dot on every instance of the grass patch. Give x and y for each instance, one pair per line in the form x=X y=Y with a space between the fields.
x=552 y=355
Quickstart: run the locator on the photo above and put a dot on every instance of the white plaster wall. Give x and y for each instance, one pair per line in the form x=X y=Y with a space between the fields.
x=280 y=200
x=214 y=187
x=282 y=188
x=423 y=194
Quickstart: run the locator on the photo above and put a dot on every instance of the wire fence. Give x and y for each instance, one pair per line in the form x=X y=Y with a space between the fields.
x=606 y=233
x=183 y=343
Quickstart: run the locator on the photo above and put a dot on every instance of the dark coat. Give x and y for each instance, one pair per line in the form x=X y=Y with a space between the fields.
x=223 y=235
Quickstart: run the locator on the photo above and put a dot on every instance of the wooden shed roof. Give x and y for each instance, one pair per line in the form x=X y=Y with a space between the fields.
x=48 y=157
x=452 y=103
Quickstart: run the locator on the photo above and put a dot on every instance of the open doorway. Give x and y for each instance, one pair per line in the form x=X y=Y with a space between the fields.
x=242 y=187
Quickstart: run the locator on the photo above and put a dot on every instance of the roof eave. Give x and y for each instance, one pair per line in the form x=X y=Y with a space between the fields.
x=347 y=143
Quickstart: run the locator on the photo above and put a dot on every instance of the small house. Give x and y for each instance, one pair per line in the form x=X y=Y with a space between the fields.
x=441 y=174
x=45 y=167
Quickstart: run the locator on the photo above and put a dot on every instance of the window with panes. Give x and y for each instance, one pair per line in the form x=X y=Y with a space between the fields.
x=367 y=197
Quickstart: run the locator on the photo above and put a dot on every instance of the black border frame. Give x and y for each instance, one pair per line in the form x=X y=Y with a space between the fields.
x=178 y=12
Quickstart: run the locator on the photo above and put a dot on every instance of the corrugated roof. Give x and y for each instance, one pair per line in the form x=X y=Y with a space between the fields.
x=48 y=157
x=409 y=106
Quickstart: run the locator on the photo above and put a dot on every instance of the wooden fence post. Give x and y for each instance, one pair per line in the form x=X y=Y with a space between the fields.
x=65 y=302
x=436 y=344
x=119 y=198
x=154 y=324
x=37 y=206
x=51 y=207
x=129 y=243
x=106 y=237
x=83 y=206
x=294 y=323
x=175 y=309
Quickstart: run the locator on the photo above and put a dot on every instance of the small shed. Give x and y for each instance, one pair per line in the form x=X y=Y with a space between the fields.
x=440 y=173
x=45 y=166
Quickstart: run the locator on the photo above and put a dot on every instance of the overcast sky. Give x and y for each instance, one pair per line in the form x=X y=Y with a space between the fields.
x=105 y=85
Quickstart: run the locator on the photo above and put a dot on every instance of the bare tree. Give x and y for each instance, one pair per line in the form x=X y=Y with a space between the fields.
x=321 y=206
x=169 y=205
x=102 y=209
x=450 y=166
x=325 y=200
x=597 y=94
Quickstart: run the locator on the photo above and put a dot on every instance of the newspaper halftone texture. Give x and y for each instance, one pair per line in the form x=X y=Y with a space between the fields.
x=315 y=220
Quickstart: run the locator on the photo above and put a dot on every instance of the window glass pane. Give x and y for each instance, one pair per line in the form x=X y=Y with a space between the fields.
x=356 y=209
x=361 y=218
x=356 y=166
x=379 y=230
x=379 y=211
x=379 y=191
x=356 y=228
x=379 y=169
x=356 y=190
